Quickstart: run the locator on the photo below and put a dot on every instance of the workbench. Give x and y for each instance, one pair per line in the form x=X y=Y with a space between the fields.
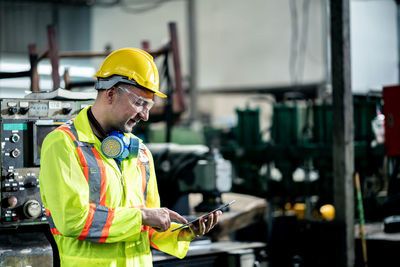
x=204 y=253
x=246 y=211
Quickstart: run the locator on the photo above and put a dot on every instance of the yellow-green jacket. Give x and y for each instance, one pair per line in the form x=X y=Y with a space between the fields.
x=106 y=231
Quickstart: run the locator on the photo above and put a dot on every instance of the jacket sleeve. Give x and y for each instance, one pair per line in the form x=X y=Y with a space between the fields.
x=65 y=193
x=165 y=241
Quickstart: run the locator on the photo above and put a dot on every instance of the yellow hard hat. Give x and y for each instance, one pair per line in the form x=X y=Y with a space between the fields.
x=131 y=66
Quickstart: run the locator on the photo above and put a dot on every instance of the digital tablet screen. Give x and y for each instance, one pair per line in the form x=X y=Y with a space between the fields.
x=204 y=215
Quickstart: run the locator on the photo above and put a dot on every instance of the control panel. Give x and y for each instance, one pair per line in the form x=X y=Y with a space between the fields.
x=50 y=109
x=24 y=125
x=20 y=197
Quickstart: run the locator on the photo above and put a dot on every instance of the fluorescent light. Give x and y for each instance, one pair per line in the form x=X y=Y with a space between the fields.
x=45 y=69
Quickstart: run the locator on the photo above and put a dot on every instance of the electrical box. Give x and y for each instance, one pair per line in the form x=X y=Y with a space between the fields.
x=391 y=110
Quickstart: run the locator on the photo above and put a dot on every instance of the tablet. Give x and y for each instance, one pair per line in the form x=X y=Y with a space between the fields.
x=204 y=216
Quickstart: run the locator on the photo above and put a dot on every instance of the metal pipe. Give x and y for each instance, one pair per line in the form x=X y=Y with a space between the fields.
x=192 y=34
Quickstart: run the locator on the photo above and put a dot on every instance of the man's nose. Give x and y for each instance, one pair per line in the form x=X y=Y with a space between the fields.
x=144 y=114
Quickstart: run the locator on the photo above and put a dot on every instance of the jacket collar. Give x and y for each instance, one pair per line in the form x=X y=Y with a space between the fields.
x=82 y=125
x=85 y=133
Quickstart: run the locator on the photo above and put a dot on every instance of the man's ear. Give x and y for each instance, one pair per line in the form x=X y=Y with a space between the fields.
x=110 y=95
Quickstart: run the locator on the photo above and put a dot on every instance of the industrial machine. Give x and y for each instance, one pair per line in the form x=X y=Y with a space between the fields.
x=24 y=124
x=296 y=162
x=293 y=170
x=184 y=169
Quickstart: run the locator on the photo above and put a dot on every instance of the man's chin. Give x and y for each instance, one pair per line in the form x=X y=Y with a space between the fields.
x=129 y=126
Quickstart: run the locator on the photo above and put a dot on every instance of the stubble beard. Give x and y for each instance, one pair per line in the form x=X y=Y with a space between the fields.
x=130 y=124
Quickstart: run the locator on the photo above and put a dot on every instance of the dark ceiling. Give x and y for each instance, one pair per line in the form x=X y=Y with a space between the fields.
x=70 y=2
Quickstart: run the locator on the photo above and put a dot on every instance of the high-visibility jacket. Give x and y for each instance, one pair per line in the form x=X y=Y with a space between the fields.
x=93 y=207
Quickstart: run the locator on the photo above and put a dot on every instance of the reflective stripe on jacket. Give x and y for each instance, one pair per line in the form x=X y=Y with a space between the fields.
x=93 y=207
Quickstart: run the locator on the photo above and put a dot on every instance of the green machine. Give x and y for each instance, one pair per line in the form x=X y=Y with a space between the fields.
x=297 y=160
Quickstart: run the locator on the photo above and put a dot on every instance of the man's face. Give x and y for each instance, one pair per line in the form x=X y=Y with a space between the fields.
x=131 y=105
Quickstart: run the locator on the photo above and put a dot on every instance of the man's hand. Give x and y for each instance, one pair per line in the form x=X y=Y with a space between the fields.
x=160 y=218
x=203 y=227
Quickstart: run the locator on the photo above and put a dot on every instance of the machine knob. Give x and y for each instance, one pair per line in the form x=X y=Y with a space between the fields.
x=65 y=111
x=12 y=110
x=15 y=153
x=31 y=182
x=15 y=138
x=32 y=209
x=23 y=110
x=12 y=202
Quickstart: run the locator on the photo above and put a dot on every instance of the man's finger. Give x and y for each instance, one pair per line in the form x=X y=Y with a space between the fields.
x=216 y=215
x=210 y=221
x=202 y=226
x=177 y=216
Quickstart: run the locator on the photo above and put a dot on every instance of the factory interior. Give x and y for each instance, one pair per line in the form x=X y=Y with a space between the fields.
x=286 y=107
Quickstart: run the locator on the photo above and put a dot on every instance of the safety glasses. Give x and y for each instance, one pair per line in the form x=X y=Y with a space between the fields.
x=138 y=102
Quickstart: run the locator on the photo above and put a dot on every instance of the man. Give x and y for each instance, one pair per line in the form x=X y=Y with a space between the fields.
x=104 y=209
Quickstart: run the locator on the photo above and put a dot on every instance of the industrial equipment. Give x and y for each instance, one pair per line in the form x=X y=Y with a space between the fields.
x=184 y=169
x=293 y=169
x=392 y=148
x=391 y=94
x=296 y=163
x=24 y=124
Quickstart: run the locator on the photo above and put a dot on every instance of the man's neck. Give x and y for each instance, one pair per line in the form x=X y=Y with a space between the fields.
x=95 y=124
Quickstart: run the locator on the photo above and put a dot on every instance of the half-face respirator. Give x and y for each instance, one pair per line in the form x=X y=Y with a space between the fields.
x=119 y=147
